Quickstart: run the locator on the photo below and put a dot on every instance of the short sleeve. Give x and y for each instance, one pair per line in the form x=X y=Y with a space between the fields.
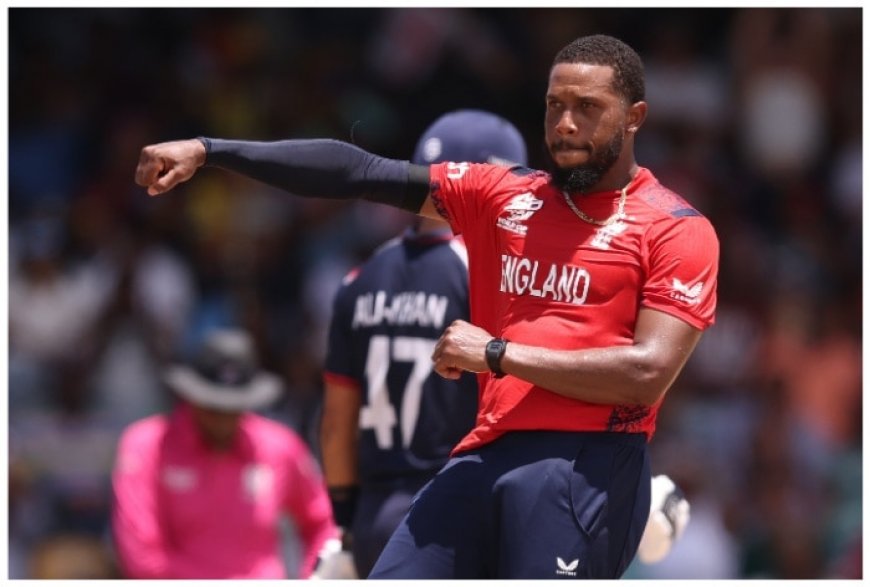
x=682 y=262
x=459 y=190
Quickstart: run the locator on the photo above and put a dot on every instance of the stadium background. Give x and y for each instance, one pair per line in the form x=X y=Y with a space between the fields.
x=755 y=117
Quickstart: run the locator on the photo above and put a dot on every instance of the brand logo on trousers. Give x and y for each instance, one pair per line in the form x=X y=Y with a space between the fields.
x=564 y=568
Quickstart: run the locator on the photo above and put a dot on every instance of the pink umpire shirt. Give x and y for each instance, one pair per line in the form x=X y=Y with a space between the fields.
x=184 y=511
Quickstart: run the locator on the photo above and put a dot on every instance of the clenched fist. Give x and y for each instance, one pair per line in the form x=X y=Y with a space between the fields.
x=462 y=347
x=165 y=165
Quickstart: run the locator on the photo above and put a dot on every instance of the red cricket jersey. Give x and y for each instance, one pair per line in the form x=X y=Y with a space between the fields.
x=539 y=275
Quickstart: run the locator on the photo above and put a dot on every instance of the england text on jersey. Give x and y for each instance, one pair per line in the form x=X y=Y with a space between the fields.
x=560 y=283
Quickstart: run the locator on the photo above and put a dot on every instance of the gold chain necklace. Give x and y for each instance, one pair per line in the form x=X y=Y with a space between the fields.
x=619 y=214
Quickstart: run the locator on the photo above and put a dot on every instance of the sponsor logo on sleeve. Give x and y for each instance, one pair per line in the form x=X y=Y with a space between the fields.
x=689 y=294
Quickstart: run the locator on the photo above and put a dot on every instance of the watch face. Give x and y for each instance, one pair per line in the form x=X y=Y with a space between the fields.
x=495 y=346
x=494 y=351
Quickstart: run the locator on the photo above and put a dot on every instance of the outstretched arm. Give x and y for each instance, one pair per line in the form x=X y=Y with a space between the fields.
x=163 y=166
x=316 y=168
x=635 y=374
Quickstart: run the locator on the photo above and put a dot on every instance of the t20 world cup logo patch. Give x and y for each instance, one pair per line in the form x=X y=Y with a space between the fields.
x=519 y=209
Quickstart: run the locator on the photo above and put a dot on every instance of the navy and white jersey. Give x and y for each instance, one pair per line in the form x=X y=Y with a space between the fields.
x=387 y=317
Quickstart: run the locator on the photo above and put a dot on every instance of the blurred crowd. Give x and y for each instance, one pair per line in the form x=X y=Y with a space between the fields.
x=755 y=117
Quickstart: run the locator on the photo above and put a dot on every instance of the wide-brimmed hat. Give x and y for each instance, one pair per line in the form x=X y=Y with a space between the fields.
x=225 y=375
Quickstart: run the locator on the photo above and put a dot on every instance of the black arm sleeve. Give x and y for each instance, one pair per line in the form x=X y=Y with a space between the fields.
x=323 y=168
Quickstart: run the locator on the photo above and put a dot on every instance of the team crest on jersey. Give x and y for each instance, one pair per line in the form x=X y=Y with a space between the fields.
x=605 y=234
x=518 y=210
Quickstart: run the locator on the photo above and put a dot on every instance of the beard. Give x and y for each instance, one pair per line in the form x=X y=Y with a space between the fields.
x=583 y=177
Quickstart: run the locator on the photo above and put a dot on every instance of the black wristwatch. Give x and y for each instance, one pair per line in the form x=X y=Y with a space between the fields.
x=494 y=352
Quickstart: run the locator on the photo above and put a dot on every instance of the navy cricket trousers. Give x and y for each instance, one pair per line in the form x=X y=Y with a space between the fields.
x=530 y=505
x=382 y=506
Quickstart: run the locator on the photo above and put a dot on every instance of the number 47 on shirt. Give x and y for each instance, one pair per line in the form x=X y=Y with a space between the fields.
x=380 y=414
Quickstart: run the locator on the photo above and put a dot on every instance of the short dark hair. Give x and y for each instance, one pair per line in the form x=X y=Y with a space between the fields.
x=628 y=78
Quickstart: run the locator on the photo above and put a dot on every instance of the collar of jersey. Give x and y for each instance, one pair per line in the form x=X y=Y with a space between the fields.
x=641 y=178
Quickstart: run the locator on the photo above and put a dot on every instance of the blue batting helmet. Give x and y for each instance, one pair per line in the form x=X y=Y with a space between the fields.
x=474 y=136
